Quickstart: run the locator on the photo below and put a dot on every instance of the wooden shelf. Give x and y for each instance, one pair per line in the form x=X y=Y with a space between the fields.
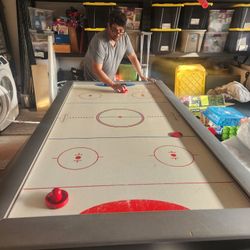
x=70 y=54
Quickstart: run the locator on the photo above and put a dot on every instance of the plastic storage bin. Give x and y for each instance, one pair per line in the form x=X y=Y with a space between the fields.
x=40 y=46
x=193 y=16
x=196 y=104
x=223 y=116
x=133 y=17
x=214 y=42
x=97 y=13
x=134 y=36
x=60 y=38
x=90 y=32
x=164 y=40
x=241 y=17
x=40 y=19
x=191 y=40
x=40 y=37
x=126 y=72
x=238 y=40
x=219 y=20
x=189 y=80
x=40 y=42
x=165 y=16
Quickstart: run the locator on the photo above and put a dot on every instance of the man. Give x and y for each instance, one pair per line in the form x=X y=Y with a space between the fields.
x=107 y=49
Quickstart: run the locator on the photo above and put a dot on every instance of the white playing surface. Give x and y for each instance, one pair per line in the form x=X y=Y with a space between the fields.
x=106 y=147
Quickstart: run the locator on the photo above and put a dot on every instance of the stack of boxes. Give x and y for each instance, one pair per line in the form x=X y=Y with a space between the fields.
x=164 y=25
x=133 y=17
x=199 y=103
x=193 y=22
x=40 y=23
x=219 y=23
x=62 y=40
x=133 y=25
x=239 y=32
x=198 y=27
x=63 y=30
x=97 y=14
x=97 y=18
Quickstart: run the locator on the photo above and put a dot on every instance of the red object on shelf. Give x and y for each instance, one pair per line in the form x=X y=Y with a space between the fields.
x=203 y=3
x=57 y=198
x=176 y=134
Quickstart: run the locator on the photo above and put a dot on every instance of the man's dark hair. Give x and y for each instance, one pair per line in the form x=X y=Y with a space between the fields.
x=117 y=17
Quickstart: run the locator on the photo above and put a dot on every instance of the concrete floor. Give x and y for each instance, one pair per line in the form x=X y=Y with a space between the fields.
x=13 y=138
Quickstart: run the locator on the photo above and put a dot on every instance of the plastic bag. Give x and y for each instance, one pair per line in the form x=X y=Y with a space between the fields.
x=233 y=90
x=240 y=145
x=244 y=132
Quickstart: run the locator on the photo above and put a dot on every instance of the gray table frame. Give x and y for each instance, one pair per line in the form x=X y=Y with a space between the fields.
x=121 y=230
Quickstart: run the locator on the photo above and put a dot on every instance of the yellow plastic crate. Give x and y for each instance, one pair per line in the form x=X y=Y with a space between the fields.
x=190 y=80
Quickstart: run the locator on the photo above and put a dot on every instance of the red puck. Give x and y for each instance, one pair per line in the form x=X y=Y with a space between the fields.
x=124 y=89
x=176 y=134
x=57 y=198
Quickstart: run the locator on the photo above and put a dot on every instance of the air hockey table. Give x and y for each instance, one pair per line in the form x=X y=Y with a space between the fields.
x=131 y=179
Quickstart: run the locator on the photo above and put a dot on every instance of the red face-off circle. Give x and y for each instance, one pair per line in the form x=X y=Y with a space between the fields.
x=77 y=158
x=173 y=156
x=120 y=118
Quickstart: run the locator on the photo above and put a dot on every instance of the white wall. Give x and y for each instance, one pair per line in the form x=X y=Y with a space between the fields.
x=11 y=19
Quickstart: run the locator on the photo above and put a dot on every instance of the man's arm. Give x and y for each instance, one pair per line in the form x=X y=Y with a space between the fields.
x=137 y=66
x=102 y=76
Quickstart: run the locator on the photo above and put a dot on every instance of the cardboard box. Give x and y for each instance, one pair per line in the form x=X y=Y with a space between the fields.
x=133 y=17
x=41 y=85
x=62 y=48
x=196 y=104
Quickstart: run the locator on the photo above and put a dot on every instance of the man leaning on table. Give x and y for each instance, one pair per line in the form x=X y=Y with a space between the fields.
x=106 y=51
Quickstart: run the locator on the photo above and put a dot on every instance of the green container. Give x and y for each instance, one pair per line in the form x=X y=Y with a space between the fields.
x=126 y=72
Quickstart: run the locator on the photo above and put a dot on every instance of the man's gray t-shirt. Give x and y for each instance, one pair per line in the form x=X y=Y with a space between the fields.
x=102 y=52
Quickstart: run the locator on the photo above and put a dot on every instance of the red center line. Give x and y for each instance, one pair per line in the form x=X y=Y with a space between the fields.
x=134 y=184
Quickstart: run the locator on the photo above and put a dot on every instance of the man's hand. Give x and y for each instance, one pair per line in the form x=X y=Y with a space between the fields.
x=119 y=88
x=147 y=79
x=144 y=78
